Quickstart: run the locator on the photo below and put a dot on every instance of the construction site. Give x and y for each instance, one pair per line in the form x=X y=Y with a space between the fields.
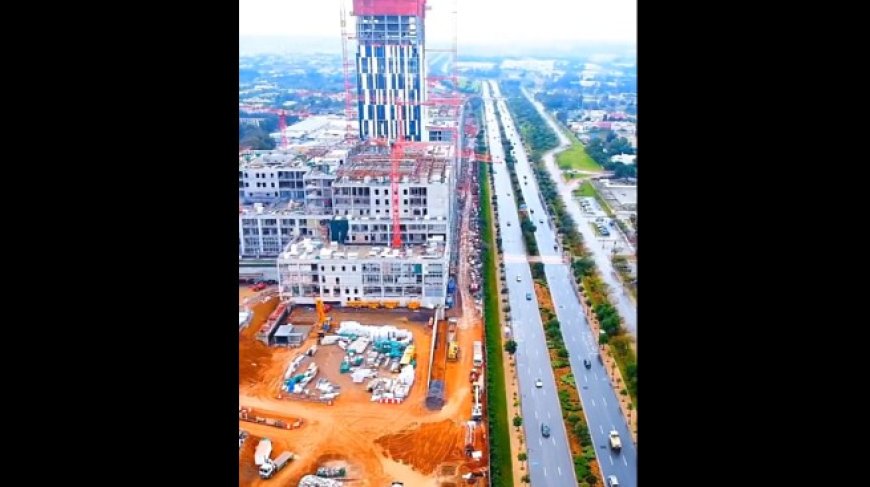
x=361 y=364
x=431 y=433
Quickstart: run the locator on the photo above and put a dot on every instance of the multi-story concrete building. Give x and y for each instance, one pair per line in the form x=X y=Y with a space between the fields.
x=353 y=242
x=343 y=193
x=343 y=273
x=390 y=66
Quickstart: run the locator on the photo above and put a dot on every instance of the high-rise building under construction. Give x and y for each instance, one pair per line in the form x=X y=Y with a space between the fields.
x=390 y=67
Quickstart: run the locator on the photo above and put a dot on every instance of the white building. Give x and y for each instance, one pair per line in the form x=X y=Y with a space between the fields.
x=337 y=207
x=338 y=274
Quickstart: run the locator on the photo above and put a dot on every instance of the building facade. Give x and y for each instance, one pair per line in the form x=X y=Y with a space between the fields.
x=390 y=67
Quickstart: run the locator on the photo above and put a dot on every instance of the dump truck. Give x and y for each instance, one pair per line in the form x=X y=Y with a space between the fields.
x=263 y=451
x=271 y=467
x=615 y=442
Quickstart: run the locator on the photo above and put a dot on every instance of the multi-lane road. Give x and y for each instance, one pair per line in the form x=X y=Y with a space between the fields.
x=626 y=307
x=549 y=458
x=600 y=404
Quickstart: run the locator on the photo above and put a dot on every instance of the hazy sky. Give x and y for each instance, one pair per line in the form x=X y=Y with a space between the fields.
x=480 y=21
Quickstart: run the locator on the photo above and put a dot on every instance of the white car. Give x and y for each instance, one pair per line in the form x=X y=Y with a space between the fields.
x=612 y=481
x=519 y=279
x=539 y=383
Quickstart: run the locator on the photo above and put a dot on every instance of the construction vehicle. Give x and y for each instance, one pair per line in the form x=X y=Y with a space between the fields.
x=477 y=408
x=472 y=376
x=263 y=451
x=271 y=467
x=452 y=351
x=452 y=344
x=615 y=442
x=323 y=321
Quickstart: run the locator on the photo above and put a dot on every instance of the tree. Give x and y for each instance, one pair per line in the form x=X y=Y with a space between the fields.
x=522 y=457
x=510 y=347
x=526 y=479
x=518 y=421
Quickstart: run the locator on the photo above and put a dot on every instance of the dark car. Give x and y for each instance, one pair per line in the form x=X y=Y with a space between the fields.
x=545 y=430
x=587 y=363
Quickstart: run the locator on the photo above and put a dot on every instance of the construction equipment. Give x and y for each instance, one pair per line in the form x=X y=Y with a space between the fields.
x=477 y=408
x=323 y=321
x=413 y=304
x=271 y=467
x=478 y=354
x=264 y=449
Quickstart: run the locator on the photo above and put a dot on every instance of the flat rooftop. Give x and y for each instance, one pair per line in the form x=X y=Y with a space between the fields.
x=421 y=162
x=315 y=249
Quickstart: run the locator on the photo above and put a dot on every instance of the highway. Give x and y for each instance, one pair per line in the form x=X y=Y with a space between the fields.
x=626 y=307
x=600 y=404
x=549 y=459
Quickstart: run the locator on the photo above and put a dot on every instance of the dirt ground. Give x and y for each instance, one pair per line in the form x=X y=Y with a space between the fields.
x=351 y=430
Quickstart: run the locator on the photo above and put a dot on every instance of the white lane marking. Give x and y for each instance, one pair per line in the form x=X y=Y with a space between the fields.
x=596 y=375
x=548 y=416
x=593 y=402
x=604 y=401
x=559 y=469
x=610 y=457
x=540 y=442
x=601 y=428
x=624 y=460
x=536 y=414
x=545 y=471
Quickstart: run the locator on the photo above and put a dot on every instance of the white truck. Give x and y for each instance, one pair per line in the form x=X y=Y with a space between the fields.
x=271 y=467
x=478 y=354
x=615 y=442
x=263 y=451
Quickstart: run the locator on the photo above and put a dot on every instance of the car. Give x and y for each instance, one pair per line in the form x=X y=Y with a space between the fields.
x=539 y=383
x=509 y=223
x=587 y=363
x=541 y=220
x=528 y=296
x=545 y=430
x=519 y=279
x=612 y=481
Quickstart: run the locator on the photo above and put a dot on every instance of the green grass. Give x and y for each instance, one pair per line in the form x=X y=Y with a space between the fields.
x=499 y=439
x=586 y=189
x=577 y=158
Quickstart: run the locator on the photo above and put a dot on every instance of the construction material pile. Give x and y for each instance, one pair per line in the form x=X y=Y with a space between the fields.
x=331 y=472
x=386 y=332
x=315 y=481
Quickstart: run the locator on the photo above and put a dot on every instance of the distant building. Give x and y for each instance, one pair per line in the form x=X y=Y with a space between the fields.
x=624 y=158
